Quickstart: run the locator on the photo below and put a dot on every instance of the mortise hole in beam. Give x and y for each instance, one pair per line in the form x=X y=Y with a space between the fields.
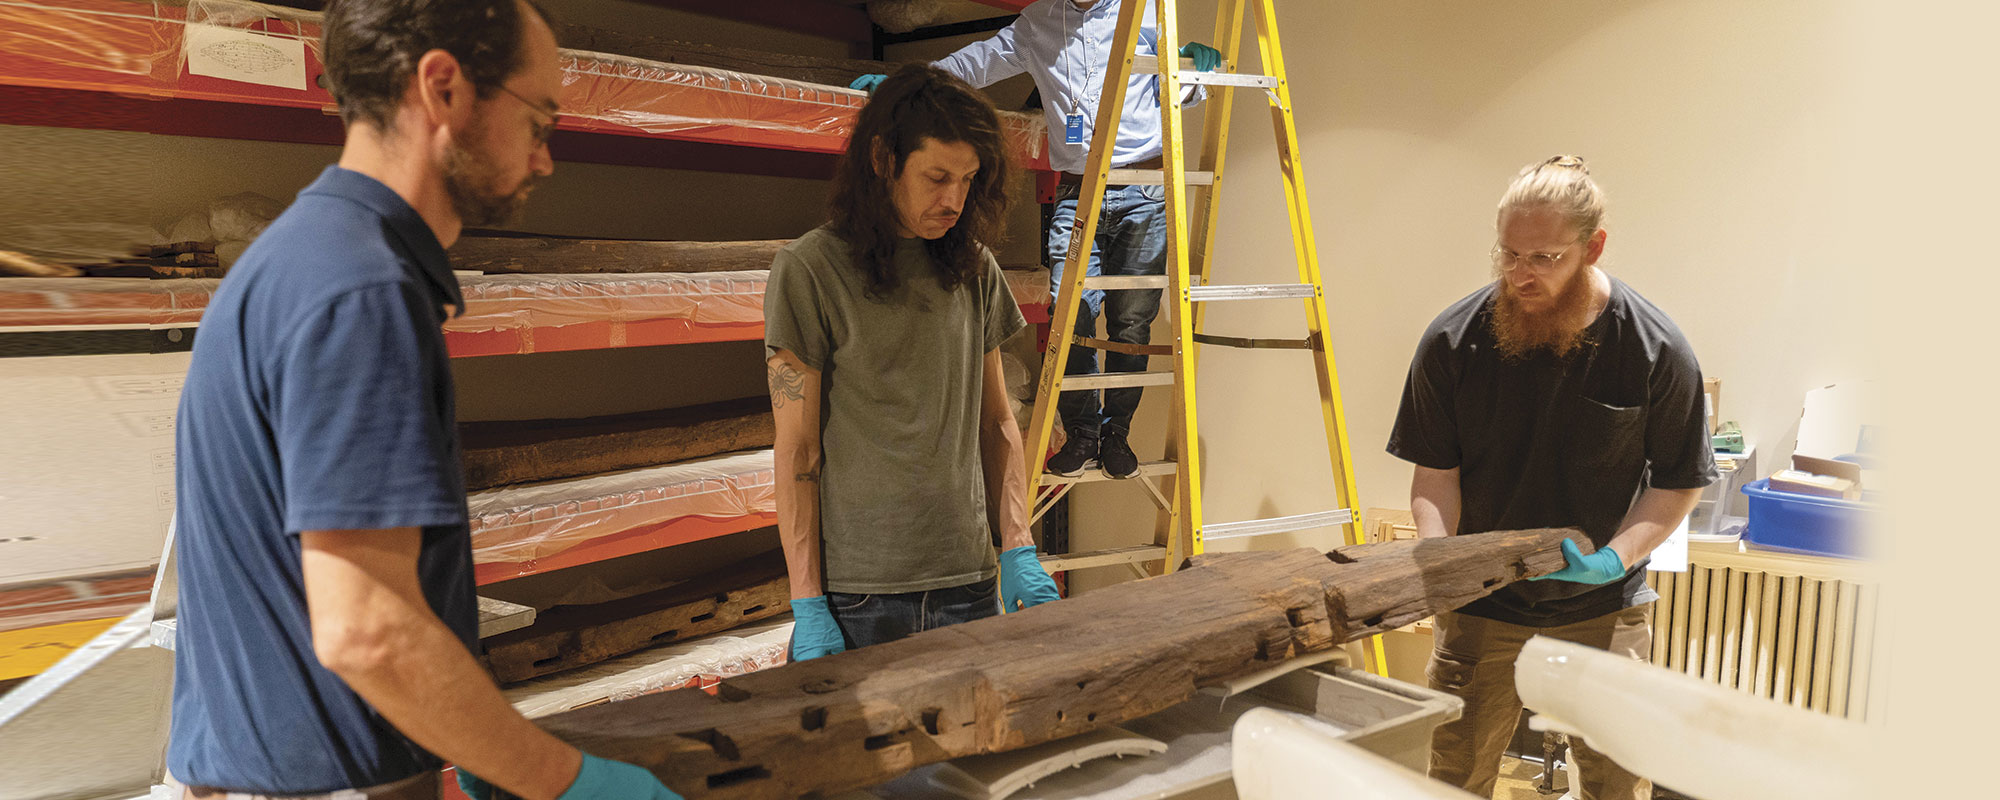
x=666 y=635
x=737 y=776
x=730 y=694
x=752 y=610
x=543 y=662
x=812 y=719
x=878 y=742
x=721 y=598
x=931 y=716
x=1372 y=622
x=716 y=741
x=1296 y=616
x=703 y=617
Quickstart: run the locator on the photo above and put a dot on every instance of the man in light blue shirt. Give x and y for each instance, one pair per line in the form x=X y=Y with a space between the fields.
x=1065 y=46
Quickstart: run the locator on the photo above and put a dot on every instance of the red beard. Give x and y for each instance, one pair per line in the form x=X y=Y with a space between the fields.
x=1560 y=329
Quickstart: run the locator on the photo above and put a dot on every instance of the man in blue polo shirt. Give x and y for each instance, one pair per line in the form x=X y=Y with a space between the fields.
x=1065 y=46
x=326 y=610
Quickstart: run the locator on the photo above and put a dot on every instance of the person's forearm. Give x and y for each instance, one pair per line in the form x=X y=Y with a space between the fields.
x=1434 y=502
x=1006 y=481
x=798 y=473
x=411 y=668
x=1650 y=521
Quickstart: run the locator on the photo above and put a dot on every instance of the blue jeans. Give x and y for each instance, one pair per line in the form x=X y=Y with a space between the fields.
x=1131 y=240
x=866 y=619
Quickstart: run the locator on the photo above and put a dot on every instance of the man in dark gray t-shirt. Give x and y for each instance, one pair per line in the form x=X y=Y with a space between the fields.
x=1554 y=397
x=899 y=462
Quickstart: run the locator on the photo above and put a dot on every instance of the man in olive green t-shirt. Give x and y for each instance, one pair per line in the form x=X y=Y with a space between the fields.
x=898 y=458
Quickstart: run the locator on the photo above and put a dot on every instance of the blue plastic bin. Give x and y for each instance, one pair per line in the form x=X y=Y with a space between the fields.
x=1800 y=523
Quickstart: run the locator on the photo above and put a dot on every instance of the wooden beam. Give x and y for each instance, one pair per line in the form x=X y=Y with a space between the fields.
x=809 y=69
x=506 y=453
x=858 y=718
x=816 y=17
x=567 y=637
x=537 y=254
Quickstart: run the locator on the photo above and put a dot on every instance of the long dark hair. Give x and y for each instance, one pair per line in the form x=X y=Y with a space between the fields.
x=916 y=103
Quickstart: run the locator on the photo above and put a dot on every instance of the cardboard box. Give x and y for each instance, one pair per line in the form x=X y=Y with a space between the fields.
x=1711 y=394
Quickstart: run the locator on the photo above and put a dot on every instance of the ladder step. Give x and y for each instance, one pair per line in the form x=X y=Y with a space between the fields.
x=1115 y=380
x=1156 y=177
x=1147 y=469
x=1150 y=65
x=1103 y=558
x=1115 y=282
x=1254 y=291
x=1266 y=527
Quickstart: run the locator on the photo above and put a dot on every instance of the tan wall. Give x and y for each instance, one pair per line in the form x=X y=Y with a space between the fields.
x=1712 y=125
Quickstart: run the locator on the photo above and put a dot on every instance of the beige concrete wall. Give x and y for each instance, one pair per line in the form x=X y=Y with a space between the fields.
x=1713 y=126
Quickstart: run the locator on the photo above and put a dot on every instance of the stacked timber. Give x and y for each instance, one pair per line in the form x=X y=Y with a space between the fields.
x=506 y=453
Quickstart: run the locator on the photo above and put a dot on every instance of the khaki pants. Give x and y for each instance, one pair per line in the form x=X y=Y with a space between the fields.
x=1473 y=658
x=421 y=786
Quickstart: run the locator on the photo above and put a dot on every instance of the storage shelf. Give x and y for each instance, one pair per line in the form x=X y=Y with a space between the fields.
x=119 y=65
x=534 y=528
x=505 y=314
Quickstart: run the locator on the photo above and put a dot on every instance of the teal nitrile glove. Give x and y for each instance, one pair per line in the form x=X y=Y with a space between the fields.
x=1023 y=582
x=814 y=632
x=1602 y=566
x=472 y=786
x=603 y=779
x=1206 y=59
x=867 y=83
x=598 y=778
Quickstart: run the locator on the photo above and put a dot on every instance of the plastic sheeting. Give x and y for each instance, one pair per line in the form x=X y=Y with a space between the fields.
x=701 y=663
x=504 y=302
x=137 y=47
x=103 y=302
x=534 y=521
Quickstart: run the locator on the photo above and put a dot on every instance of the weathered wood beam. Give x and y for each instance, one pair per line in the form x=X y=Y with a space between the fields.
x=858 y=718
x=567 y=637
x=506 y=453
x=535 y=254
x=810 y=69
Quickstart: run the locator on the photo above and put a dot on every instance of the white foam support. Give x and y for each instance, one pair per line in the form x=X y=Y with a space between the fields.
x=1701 y=738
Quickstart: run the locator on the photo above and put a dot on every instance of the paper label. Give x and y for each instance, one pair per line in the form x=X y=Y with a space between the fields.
x=244 y=56
x=1672 y=555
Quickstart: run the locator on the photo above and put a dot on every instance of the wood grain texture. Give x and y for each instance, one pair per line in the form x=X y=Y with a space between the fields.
x=861 y=717
x=506 y=453
x=540 y=255
x=567 y=637
x=810 y=69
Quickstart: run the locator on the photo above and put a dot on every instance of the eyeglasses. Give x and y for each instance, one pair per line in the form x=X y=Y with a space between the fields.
x=542 y=130
x=1507 y=260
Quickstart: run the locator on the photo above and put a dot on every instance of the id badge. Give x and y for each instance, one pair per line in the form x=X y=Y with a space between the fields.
x=1073 y=130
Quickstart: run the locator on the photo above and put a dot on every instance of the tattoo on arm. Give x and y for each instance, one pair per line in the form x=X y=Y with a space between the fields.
x=786 y=384
x=809 y=476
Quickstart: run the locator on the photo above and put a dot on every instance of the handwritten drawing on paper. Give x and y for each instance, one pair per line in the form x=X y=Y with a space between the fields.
x=246 y=56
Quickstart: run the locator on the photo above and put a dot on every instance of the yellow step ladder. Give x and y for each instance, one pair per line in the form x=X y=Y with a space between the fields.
x=1190 y=244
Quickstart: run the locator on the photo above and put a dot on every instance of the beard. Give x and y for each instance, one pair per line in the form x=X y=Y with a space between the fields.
x=468 y=178
x=1519 y=333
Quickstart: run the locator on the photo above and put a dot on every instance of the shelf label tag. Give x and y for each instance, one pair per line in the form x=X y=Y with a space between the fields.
x=233 y=54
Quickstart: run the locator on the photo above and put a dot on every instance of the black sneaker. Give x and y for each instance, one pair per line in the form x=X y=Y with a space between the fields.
x=1075 y=453
x=1115 y=457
